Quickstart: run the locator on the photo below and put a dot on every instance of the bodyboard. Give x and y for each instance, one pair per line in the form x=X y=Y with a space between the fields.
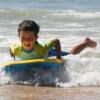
x=31 y=65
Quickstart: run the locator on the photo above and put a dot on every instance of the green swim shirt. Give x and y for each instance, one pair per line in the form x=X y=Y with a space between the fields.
x=38 y=52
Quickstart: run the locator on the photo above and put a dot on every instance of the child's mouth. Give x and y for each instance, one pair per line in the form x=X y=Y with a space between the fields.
x=27 y=45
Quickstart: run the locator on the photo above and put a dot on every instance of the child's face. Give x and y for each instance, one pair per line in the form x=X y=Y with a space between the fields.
x=27 y=39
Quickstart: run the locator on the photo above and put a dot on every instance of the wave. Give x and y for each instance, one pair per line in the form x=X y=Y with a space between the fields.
x=77 y=13
x=61 y=13
x=77 y=71
x=51 y=4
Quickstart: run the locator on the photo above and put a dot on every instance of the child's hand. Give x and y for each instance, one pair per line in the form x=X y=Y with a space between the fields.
x=62 y=59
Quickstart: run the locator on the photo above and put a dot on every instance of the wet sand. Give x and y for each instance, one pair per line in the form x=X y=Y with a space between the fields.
x=19 y=92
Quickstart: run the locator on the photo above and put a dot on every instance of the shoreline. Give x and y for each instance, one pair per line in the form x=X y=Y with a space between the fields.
x=19 y=92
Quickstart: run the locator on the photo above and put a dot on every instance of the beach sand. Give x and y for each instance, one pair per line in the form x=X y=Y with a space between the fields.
x=19 y=92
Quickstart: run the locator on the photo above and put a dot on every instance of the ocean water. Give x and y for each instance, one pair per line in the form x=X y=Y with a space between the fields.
x=68 y=20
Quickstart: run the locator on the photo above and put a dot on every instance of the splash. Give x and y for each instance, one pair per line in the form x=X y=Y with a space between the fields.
x=84 y=69
x=78 y=70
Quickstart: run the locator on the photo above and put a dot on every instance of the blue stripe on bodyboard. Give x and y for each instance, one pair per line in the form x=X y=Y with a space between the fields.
x=31 y=66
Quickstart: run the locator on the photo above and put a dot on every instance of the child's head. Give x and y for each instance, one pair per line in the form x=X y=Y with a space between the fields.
x=28 y=33
x=29 y=25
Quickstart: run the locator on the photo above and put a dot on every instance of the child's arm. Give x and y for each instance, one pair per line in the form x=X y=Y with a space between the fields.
x=11 y=54
x=58 y=48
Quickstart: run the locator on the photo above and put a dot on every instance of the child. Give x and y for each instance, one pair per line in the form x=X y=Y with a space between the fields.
x=30 y=48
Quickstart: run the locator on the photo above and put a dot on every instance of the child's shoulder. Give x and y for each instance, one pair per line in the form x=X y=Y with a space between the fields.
x=39 y=45
x=15 y=46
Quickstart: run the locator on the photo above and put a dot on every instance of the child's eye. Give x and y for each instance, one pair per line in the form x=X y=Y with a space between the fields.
x=22 y=37
x=27 y=38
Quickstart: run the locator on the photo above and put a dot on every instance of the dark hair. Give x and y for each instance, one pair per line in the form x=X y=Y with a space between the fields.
x=29 y=25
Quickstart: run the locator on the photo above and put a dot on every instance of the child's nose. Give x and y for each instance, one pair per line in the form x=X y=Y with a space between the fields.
x=27 y=39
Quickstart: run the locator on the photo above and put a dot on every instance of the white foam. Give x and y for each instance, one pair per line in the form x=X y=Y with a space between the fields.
x=84 y=71
x=79 y=14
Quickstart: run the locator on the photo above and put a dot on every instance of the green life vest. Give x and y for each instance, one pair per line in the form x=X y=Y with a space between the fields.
x=39 y=51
